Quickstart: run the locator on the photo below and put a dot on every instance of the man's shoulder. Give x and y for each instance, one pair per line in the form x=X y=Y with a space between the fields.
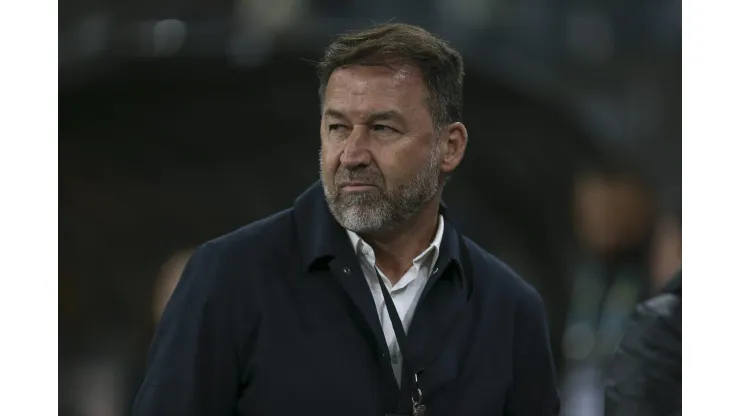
x=646 y=366
x=655 y=324
x=494 y=275
x=234 y=265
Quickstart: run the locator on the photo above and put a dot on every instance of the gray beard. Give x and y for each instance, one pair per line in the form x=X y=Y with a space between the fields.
x=380 y=210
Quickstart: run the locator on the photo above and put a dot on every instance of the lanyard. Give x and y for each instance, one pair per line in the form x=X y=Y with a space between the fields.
x=418 y=407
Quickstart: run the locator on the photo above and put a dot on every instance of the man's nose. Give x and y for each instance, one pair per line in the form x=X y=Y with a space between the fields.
x=356 y=151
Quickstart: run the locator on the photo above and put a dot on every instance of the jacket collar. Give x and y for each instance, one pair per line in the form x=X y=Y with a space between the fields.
x=322 y=238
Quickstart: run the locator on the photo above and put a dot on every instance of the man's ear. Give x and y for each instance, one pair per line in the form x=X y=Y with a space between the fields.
x=453 y=148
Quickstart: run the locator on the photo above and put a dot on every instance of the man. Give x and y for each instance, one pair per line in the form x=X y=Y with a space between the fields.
x=362 y=299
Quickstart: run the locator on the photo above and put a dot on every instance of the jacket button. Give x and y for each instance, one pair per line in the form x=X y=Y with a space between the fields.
x=347 y=270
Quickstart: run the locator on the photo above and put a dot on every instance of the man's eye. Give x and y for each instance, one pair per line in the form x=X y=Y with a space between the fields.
x=383 y=128
x=333 y=127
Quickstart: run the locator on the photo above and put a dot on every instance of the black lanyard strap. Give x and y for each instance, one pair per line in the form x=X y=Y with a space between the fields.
x=400 y=332
x=408 y=370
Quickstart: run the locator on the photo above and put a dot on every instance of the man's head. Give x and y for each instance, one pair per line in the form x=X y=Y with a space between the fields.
x=391 y=100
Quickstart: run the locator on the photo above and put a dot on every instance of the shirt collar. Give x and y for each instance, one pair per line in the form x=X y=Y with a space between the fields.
x=432 y=250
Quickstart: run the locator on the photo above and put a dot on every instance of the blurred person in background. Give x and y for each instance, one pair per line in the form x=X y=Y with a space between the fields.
x=613 y=218
x=362 y=298
x=643 y=377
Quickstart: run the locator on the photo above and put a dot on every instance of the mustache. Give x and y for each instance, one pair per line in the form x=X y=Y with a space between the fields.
x=365 y=176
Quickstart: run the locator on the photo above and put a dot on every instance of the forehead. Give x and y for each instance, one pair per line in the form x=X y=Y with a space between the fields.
x=365 y=88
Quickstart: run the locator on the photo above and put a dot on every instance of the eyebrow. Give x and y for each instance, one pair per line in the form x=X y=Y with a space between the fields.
x=377 y=116
x=334 y=113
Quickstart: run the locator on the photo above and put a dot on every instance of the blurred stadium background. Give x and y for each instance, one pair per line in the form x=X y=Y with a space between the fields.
x=182 y=120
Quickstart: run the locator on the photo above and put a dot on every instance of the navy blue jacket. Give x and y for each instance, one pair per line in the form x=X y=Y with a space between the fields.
x=277 y=318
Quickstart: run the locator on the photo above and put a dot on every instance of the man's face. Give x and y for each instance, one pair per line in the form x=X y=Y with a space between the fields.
x=379 y=150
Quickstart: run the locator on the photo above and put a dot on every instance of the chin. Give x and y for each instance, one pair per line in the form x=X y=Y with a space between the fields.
x=360 y=220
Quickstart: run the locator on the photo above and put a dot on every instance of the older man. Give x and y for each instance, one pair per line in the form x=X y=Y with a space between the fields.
x=362 y=299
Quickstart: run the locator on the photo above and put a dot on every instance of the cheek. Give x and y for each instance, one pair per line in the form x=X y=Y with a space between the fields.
x=397 y=167
x=329 y=160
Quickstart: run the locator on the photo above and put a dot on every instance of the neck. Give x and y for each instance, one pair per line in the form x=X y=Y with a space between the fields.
x=396 y=250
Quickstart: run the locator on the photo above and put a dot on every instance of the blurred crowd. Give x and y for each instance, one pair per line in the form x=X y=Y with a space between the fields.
x=210 y=123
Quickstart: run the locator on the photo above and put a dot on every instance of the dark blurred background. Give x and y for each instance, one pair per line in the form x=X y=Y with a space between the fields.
x=182 y=120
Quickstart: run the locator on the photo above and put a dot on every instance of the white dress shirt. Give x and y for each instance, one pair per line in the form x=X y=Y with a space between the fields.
x=405 y=293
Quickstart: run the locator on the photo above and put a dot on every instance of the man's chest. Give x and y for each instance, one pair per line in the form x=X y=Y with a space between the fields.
x=316 y=349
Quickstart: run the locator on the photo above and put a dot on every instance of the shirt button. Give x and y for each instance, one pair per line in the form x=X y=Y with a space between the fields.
x=347 y=270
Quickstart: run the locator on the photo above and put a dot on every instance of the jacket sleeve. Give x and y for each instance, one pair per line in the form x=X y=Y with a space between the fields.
x=643 y=377
x=192 y=366
x=534 y=390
